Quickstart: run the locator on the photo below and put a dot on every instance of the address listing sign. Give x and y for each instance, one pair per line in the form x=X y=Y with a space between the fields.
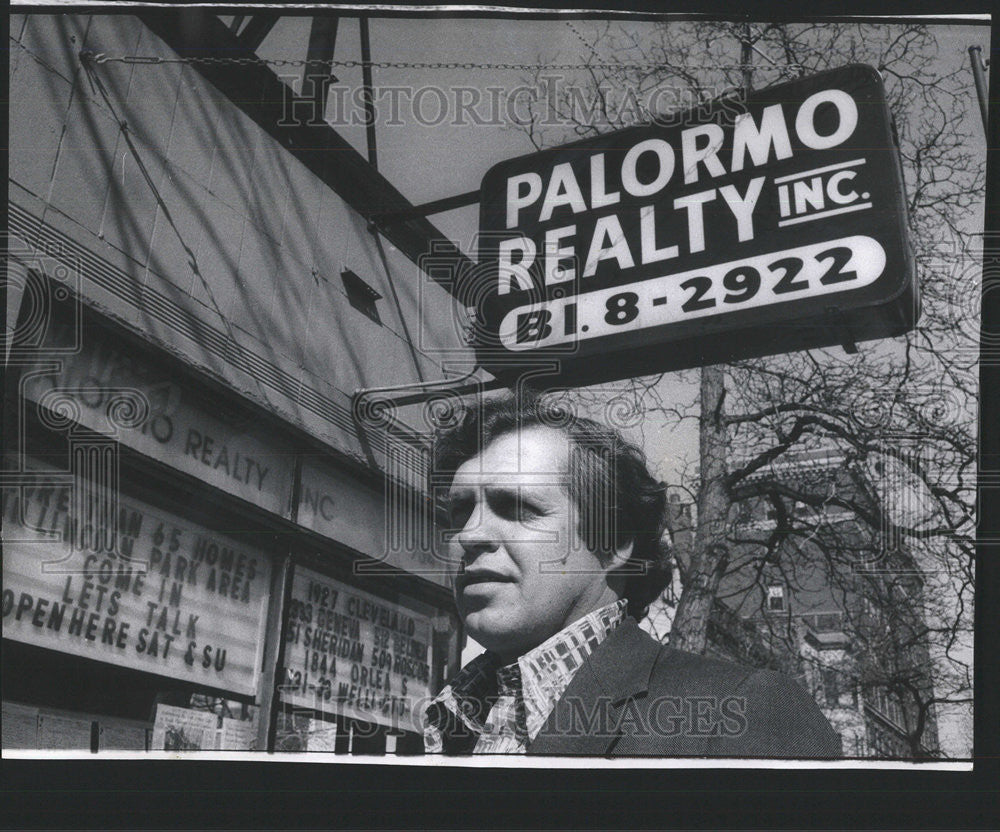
x=351 y=653
x=744 y=229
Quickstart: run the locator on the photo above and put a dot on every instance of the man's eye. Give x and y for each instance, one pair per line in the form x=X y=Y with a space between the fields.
x=527 y=511
x=517 y=509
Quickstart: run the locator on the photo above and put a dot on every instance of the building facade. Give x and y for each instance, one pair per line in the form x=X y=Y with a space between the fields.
x=827 y=604
x=209 y=542
x=831 y=604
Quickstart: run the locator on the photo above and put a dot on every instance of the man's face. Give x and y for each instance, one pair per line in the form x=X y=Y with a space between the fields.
x=527 y=573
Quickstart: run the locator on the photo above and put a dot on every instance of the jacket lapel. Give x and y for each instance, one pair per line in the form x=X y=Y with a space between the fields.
x=586 y=717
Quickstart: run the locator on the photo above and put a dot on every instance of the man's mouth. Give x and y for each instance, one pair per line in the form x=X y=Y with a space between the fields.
x=474 y=577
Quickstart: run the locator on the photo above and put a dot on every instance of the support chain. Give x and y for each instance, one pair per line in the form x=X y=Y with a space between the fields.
x=103 y=58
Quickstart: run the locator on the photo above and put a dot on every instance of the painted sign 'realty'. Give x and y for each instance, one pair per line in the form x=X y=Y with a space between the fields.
x=157 y=593
x=741 y=230
x=178 y=427
x=351 y=653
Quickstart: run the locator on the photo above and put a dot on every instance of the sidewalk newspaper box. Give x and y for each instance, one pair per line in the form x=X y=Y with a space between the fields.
x=736 y=230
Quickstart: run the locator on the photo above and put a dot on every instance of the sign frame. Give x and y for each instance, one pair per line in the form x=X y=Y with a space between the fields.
x=884 y=305
x=130 y=602
x=328 y=668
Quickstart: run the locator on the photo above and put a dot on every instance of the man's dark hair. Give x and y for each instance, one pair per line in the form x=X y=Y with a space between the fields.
x=617 y=499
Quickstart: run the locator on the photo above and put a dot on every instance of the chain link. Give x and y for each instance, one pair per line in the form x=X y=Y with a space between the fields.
x=102 y=58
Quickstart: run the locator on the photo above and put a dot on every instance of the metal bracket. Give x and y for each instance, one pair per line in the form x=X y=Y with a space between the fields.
x=376 y=406
x=438 y=206
x=838 y=323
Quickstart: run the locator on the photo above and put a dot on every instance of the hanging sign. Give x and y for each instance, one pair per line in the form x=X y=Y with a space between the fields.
x=158 y=593
x=747 y=229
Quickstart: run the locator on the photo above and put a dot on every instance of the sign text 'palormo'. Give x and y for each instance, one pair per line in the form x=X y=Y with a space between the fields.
x=752 y=230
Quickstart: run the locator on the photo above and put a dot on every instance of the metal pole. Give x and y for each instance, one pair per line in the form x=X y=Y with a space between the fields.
x=980 y=78
x=746 y=57
x=369 y=94
x=272 y=675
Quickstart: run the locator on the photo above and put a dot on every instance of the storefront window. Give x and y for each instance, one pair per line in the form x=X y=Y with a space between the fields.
x=137 y=594
x=135 y=626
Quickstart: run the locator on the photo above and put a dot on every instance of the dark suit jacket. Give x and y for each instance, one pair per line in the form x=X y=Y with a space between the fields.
x=636 y=697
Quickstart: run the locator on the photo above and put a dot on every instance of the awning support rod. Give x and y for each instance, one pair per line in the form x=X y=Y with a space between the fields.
x=438 y=206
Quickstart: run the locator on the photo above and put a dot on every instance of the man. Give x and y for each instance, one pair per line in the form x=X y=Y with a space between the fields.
x=556 y=529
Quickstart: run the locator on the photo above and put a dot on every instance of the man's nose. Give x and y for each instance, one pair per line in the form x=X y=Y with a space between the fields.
x=479 y=533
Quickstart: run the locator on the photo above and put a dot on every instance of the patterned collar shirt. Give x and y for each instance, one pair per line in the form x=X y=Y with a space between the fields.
x=493 y=709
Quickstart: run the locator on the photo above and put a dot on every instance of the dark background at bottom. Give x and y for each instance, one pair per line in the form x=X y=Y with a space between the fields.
x=199 y=795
